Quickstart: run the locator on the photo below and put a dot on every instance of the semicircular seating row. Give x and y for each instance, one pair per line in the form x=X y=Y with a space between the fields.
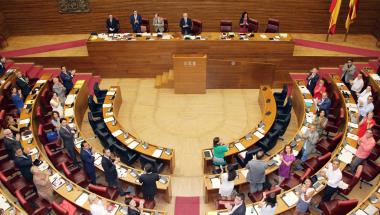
x=52 y=160
x=340 y=122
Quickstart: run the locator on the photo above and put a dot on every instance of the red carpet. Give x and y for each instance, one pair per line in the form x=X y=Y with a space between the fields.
x=186 y=206
x=337 y=48
x=45 y=48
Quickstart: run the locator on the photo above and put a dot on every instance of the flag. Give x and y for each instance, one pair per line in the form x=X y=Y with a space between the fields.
x=334 y=10
x=352 y=10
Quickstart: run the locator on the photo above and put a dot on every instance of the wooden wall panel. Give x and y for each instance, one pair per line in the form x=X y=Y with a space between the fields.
x=3 y=26
x=308 y=16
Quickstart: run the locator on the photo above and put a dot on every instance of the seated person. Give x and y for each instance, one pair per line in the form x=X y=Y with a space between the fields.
x=319 y=90
x=112 y=24
x=135 y=21
x=56 y=104
x=244 y=23
x=13 y=125
x=158 y=23
x=59 y=89
x=24 y=162
x=357 y=85
x=17 y=99
x=133 y=209
x=56 y=120
x=348 y=71
x=185 y=24
x=67 y=78
x=324 y=104
x=2 y=66
x=97 y=206
x=22 y=83
x=363 y=96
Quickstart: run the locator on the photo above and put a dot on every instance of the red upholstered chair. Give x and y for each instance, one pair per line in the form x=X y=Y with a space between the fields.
x=337 y=207
x=370 y=171
x=6 y=163
x=42 y=118
x=295 y=180
x=166 y=25
x=375 y=153
x=220 y=203
x=106 y=192
x=13 y=180
x=45 y=100
x=76 y=175
x=56 y=155
x=67 y=208
x=225 y=26
x=334 y=125
x=273 y=26
x=26 y=196
x=258 y=196
x=197 y=27
x=59 y=210
x=253 y=25
x=145 y=26
x=350 y=179
x=316 y=163
x=327 y=144
x=335 y=101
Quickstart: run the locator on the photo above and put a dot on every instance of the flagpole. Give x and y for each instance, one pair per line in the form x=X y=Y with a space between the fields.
x=345 y=36
x=328 y=35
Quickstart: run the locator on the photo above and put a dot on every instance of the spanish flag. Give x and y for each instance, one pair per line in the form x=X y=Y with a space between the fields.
x=334 y=10
x=352 y=10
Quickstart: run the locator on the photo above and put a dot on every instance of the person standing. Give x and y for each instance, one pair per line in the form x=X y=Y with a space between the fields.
x=363 y=96
x=112 y=24
x=348 y=72
x=158 y=23
x=11 y=143
x=366 y=123
x=243 y=23
x=227 y=182
x=333 y=175
x=365 y=107
x=56 y=104
x=43 y=184
x=311 y=137
x=256 y=172
x=67 y=78
x=67 y=136
x=22 y=83
x=305 y=196
x=185 y=24
x=219 y=149
x=268 y=206
x=17 y=99
x=320 y=122
x=312 y=80
x=88 y=160
x=24 y=162
x=357 y=85
x=319 y=90
x=148 y=180
x=287 y=158
x=135 y=21
x=59 y=89
x=366 y=144
x=324 y=104
x=2 y=65
x=110 y=172
x=239 y=205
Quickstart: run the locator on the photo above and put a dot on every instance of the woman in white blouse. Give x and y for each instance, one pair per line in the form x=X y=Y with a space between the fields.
x=363 y=97
x=56 y=104
x=97 y=206
x=306 y=194
x=227 y=182
x=268 y=206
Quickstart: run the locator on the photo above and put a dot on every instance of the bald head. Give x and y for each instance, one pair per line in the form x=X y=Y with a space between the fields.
x=7 y=133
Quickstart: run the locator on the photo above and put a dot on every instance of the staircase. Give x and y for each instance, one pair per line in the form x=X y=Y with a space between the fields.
x=166 y=80
x=33 y=71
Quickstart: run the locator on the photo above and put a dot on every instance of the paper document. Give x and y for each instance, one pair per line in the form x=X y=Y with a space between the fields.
x=133 y=144
x=375 y=77
x=70 y=99
x=360 y=212
x=350 y=148
x=121 y=172
x=215 y=182
x=41 y=81
x=157 y=153
x=117 y=133
x=24 y=121
x=340 y=84
x=82 y=199
x=261 y=130
x=107 y=105
x=239 y=146
x=69 y=112
x=290 y=198
x=4 y=203
x=263 y=36
x=352 y=136
x=345 y=156
x=108 y=119
x=244 y=172
x=371 y=210
x=353 y=125
x=258 y=134
x=111 y=93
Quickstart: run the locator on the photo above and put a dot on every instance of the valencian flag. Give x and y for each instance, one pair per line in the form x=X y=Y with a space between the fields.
x=334 y=10
x=352 y=10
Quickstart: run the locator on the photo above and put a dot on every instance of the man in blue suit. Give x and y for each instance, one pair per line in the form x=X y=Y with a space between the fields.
x=185 y=24
x=136 y=21
x=67 y=78
x=24 y=163
x=2 y=66
x=88 y=161
x=324 y=104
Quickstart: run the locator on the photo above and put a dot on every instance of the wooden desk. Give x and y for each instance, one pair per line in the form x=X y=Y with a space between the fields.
x=363 y=203
x=115 y=102
x=13 y=207
x=6 y=80
x=299 y=107
x=71 y=196
x=268 y=109
x=80 y=92
x=141 y=57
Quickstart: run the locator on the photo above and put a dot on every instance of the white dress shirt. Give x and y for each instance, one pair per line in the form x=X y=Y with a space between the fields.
x=333 y=176
x=357 y=85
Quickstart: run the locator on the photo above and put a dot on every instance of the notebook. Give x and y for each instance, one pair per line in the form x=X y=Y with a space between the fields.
x=290 y=198
x=157 y=153
x=133 y=144
x=239 y=146
x=117 y=133
x=82 y=199
x=215 y=182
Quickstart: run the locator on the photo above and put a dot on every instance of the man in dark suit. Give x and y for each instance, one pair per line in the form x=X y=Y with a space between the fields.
x=88 y=161
x=312 y=80
x=67 y=78
x=148 y=180
x=135 y=21
x=11 y=143
x=24 y=163
x=239 y=205
x=378 y=68
x=2 y=66
x=22 y=82
x=112 y=24
x=185 y=24
x=110 y=172
x=67 y=136
x=324 y=104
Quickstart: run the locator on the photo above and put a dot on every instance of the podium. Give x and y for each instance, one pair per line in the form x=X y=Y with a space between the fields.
x=190 y=73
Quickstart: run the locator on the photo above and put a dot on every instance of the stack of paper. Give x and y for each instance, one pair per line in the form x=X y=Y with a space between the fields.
x=107 y=105
x=157 y=153
x=290 y=198
x=263 y=36
x=261 y=130
x=70 y=99
x=258 y=134
x=239 y=146
x=33 y=151
x=111 y=93
x=133 y=144
x=82 y=199
x=360 y=212
x=284 y=35
x=117 y=133
x=98 y=161
x=121 y=172
x=69 y=112
x=345 y=156
x=371 y=210
x=41 y=81
x=350 y=148
x=375 y=77
x=353 y=125
x=340 y=84
x=352 y=136
x=108 y=119
x=215 y=182
x=4 y=203
x=277 y=159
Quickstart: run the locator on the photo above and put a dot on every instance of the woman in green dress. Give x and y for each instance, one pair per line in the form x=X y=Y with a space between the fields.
x=219 y=150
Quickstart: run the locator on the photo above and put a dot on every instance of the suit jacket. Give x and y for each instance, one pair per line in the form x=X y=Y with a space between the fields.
x=11 y=145
x=158 y=25
x=114 y=24
x=88 y=161
x=240 y=210
x=2 y=69
x=348 y=72
x=136 y=27
x=24 y=86
x=110 y=171
x=256 y=171
x=67 y=80
x=67 y=137
x=325 y=105
x=24 y=163
x=148 y=181
x=182 y=23
x=378 y=70
x=311 y=83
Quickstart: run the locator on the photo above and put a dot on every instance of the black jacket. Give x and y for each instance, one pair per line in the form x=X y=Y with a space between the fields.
x=185 y=30
x=11 y=145
x=148 y=180
x=311 y=83
x=240 y=210
x=2 y=69
x=110 y=171
x=114 y=24
x=24 y=86
x=67 y=137
x=24 y=163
